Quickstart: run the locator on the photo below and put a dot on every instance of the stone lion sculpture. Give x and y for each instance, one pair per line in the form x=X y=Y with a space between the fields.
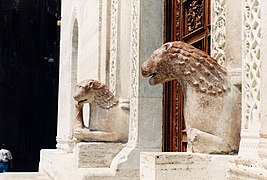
x=110 y=125
x=212 y=104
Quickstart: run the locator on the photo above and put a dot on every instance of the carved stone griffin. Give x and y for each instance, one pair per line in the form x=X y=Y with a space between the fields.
x=212 y=105
x=109 y=125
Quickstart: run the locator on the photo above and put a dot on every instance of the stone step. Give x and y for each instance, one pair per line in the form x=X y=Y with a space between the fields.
x=24 y=176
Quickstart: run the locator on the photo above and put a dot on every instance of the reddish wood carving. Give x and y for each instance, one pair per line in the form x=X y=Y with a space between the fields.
x=194 y=15
x=188 y=21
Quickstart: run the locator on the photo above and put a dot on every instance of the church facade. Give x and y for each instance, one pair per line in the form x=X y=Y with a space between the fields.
x=109 y=40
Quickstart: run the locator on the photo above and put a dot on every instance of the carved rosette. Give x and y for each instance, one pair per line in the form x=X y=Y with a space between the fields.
x=218 y=31
x=194 y=15
x=113 y=45
x=135 y=16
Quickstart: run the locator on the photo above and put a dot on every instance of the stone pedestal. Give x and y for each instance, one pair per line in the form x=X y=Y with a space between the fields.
x=96 y=155
x=87 y=161
x=177 y=165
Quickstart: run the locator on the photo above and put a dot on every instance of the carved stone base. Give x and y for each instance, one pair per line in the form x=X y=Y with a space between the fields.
x=249 y=144
x=87 y=161
x=65 y=145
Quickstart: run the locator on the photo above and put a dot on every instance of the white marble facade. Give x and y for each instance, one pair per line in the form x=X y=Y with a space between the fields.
x=108 y=40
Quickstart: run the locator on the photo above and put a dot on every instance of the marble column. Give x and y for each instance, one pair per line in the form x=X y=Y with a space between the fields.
x=67 y=77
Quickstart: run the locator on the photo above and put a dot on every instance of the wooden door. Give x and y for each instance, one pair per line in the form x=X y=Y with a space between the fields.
x=188 y=21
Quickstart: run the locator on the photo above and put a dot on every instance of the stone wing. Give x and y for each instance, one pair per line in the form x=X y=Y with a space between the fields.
x=104 y=98
x=199 y=69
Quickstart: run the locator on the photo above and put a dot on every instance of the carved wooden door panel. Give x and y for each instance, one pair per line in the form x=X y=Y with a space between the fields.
x=188 y=21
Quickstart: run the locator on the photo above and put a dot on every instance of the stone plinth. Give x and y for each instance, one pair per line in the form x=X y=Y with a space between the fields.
x=58 y=164
x=96 y=155
x=176 y=165
x=87 y=161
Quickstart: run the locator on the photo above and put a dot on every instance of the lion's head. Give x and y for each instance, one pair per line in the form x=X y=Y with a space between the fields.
x=182 y=61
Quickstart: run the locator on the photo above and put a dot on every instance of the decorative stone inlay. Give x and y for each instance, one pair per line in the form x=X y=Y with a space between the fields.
x=252 y=63
x=113 y=44
x=218 y=31
x=135 y=16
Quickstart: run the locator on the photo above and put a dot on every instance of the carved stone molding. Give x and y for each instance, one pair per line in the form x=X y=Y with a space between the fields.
x=263 y=114
x=252 y=63
x=249 y=144
x=218 y=31
x=135 y=18
x=251 y=79
x=113 y=45
x=65 y=144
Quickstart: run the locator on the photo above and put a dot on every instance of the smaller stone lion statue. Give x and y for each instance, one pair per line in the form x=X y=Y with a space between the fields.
x=212 y=105
x=110 y=125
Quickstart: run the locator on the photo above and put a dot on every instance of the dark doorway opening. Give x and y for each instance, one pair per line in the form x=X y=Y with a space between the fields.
x=29 y=63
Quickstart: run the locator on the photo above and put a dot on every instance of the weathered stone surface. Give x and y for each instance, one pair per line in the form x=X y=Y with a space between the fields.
x=109 y=125
x=58 y=164
x=78 y=58
x=186 y=166
x=246 y=168
x=96 y=155
x=212 y=104
x=88 y=161
x=107 y=41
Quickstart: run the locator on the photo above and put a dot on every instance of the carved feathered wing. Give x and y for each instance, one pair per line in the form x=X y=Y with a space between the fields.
x=199 y=69
x=103 y=97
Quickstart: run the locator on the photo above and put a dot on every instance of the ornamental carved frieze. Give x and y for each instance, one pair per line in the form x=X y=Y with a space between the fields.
x=113 y=45
x=135 y=19
x=194 y=15
x=251 y=62
x=218 y=31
